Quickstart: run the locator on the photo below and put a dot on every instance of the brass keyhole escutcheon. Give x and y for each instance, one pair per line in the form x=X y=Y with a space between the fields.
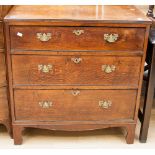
x=78 y=32
x=76 y=60
x=75 y=92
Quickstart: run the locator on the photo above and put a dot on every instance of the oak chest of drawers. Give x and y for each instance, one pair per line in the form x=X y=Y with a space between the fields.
x=75 y=68
x=4 y=108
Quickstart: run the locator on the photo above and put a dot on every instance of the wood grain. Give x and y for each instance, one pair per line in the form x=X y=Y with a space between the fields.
x=4 y=10
x=28 y=86
x=2 y=70
x=1 y=36
x=66 y=106
x=19 y=128
x=4 y=110
x=63 y=38
x=65 y=72
x=101 y=13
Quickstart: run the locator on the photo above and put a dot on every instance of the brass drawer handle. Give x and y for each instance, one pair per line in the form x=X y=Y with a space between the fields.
x=45 y=104
x=108 y=68
x=111 y=37
x=105 y=104
x=76 y=60
x=44 y=36
x=45 y=68
x=78 y=32
x=75 y=92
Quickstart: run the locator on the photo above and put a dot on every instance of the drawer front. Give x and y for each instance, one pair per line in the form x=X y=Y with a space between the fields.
x=74 y=105
x=1 y=36
x=75 y=70
x=76 y=38
x=2 y=70
x=3 y=104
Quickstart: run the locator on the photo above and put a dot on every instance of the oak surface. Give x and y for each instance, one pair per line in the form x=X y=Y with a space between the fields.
x=4 y=10
x=74 y=89
x=2 y=70
x=1 y=36
x=4 y=107
x=68 y=107
x=65 y=71
x=4 y=111
x=64 y=38
x=123 y=14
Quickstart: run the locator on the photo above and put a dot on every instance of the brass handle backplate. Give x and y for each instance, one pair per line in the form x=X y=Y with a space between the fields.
x=44 y=36
x=111 y=37
x=108 y=68
x=78 y=32
x=105 y=104
x=45 y=104
x=45 y=68
x=75 y=92
x=76 y=60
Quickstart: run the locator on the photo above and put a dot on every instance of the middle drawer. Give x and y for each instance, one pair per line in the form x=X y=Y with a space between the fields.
x=75 y=70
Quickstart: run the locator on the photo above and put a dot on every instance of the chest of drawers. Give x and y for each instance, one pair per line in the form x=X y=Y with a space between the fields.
x=75 y=68
x=4 y=108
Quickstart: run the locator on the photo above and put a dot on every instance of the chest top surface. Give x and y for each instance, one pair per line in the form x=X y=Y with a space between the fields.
x=106 y=14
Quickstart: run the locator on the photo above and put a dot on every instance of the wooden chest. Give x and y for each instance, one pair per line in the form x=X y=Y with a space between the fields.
x=75 y=68
x=4 y=109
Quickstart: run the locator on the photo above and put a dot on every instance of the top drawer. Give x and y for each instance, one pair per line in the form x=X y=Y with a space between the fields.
x=76 y=38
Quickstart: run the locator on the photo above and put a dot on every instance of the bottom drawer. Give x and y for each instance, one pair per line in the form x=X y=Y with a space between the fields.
x=4 y=111
x=74 y=105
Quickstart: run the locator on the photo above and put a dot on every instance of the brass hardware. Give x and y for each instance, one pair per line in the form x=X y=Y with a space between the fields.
x=76 y=60
x=105 y=104
x=75 y=92
x=108 y=68
x=110 y=37
x=78 y=32
x=44 y=36
x=45 y=104
x=45 y=68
